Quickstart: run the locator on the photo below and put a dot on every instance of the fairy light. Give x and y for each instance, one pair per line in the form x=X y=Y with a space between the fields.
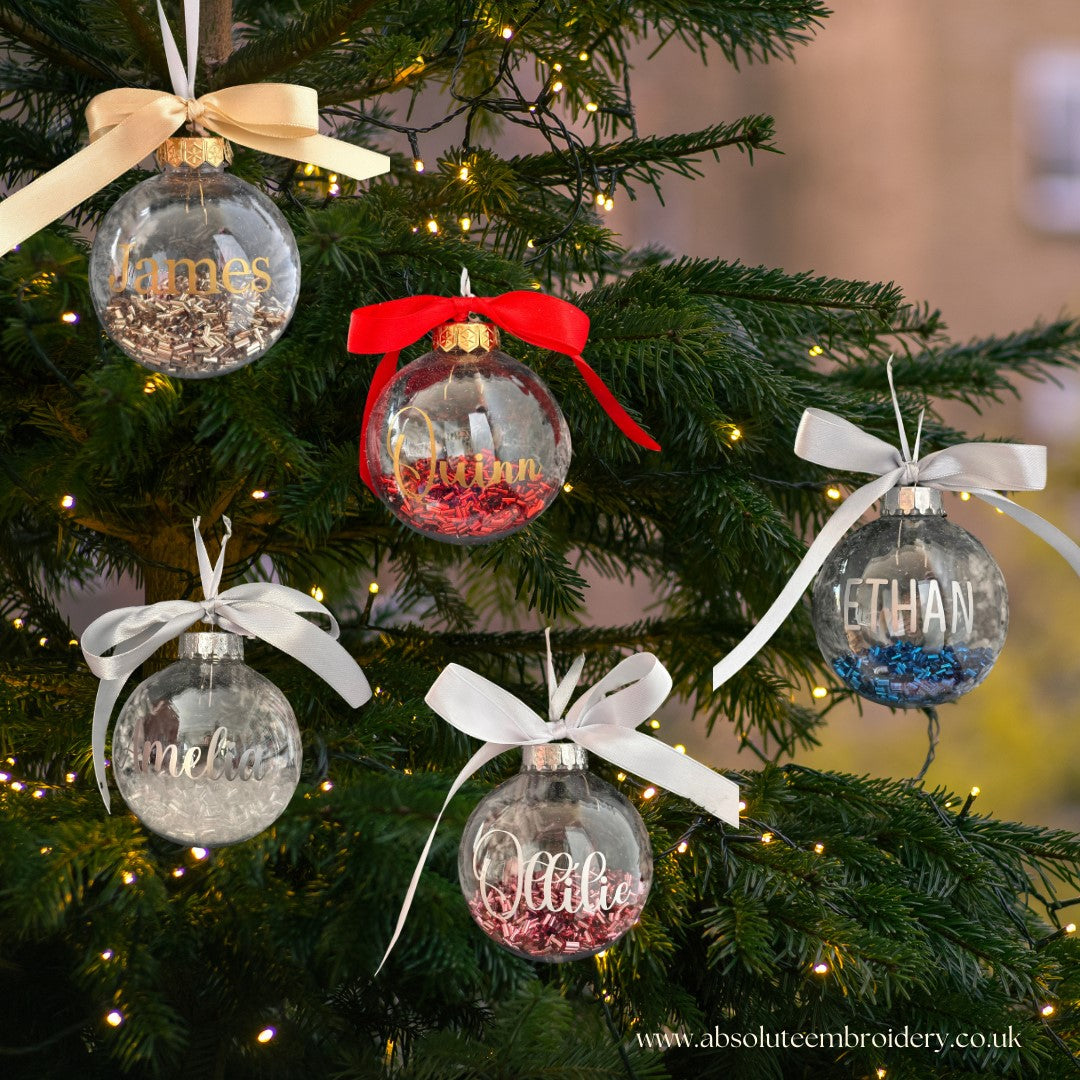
x=463 y=172
x=819 y=692
x=591 y=106
x=70 y=317
x=327 y=785
x=609 y=203
x=767 y=838
x=149 y=387
x=465 y=222
x=742 y=806
x=600 y=198
x=965 y=496
x=507 y=33
x=880 y=1074
x=334 y=189
x=821 y=968
x=1070 y=928
x=309 y=169
x=128 y=878
x=735 y=434
x=179 y=872
x=11 y=760
x=266 y=1034
x=649 y=792
x=418 y=164
x=654 y=724
x=373 y=588
x=530 y=244
x=43 y=641
x=74 y=641
x=317 y=593
x=258 y=494
x=620 y=777
x=39 y=793
x=114 y=1018
x=832 y=493
x=683 y=848
x=815 y=350
x=18 y=785
x=819 y=849
x=433 y=227
x=18 y=623
x=107 y=954
x=199 y=853
x=71 y=777
x=67 y=502
x=556 y=86
x=1047 y=1010
x=4 y=777
x=679 y=748
x=568 y=488
x=583 y=56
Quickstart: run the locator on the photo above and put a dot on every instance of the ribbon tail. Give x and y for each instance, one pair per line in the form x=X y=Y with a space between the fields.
x=610 y=404
x=645 y=756
x=62 y=188
x=1051 y=534
x=383 y=374
x=488 y=752
x=856 y=504
x=107 y=692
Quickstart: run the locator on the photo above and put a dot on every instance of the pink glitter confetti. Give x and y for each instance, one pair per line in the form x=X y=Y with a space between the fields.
x=554 y=935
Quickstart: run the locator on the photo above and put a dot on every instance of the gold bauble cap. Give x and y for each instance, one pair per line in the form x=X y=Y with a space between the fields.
x=465 y=337
x=202 y=150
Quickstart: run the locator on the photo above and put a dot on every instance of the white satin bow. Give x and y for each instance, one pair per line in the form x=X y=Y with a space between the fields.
x=262 y=610
x=979 y=468
x=602 y=721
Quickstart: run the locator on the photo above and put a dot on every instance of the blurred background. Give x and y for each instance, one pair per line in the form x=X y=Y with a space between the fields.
x=937 y=146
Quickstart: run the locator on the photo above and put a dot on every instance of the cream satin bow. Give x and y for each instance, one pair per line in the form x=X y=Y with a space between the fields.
x=128 y=124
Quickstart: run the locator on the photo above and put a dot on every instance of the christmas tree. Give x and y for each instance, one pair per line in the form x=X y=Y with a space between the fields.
x=848 y=909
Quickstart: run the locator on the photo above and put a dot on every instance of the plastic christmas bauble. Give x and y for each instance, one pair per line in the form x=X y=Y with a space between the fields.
x=911 y=610
x=207 y=751
x=194 y=272
x=466 y=444
x=555 y=864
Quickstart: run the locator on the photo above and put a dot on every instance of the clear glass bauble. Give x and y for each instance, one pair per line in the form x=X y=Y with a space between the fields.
x=911 y=610
x=467 y=445
x=207 y=751
x=555 y=864
x=194 y=272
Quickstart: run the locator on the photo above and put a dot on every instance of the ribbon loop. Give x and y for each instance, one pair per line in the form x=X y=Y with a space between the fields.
x=983 y=469
x=272 y=613
x=602 y=721
x=535 y=318
x=128 y=124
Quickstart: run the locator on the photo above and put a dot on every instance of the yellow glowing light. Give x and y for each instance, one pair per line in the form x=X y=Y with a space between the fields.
x=679 y=748
x=179 y=872
x=463 y=172
x=556 y=67
x=1047 y=1010
x=71 y=777
x=258 y=494
x=609 y=203
x=334 y=189
x=1070 y=928
x=832 y=493
x=620 y=777
x=107 y=954
x=965 y=496
x=997 y=509
x=507 y=32
x=149 y=387
x=742 y=806
x=70 y=317
x=128 y=878
x=681 y=849
x=18 y=623
x=43 y=641
x=326 y=785
x=317 y=593
x=600 y=198
x=767 y=838
x=735 y=434
x=418 y=164
x=11 y=760
x=17 y=786
x=373 y=588
x=556 y=86
x=975 y=792
x=654 y=723
x=465 y=223
x=821 y=968
x=39 y=794
x=530 y=244
x=114 y=1018
x=199 y=853
x=309 y=169
x=880 y=1074
x=333 y=178
x=583 y=56
x=649 y=793
x=67 y=502
x=4 y=777
x=432 y=226
x=532 y=108
x=46 y=851
x=74 y=641
x=591 y=106
x=568 y=488
x=819 y=849
x=819 y=692
x=266 y=1034
x=815 y=350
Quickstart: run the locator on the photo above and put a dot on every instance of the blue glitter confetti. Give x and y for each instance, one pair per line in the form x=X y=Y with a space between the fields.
x=906 y=674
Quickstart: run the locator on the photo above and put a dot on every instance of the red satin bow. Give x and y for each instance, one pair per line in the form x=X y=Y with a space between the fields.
x=545 y=321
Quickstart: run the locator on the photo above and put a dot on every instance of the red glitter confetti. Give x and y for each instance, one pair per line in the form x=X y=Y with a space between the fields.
x=459 y=498
x=539 y=928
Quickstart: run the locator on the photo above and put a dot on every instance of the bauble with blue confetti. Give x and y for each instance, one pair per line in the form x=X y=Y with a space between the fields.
x=911 y=610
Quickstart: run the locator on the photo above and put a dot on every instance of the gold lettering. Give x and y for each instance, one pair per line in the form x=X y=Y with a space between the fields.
x=190 y=265
x=533 y=467
x=147 y=277
x=240 y=268
x=261 y=275
x=403 y=472
x=118 y=281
